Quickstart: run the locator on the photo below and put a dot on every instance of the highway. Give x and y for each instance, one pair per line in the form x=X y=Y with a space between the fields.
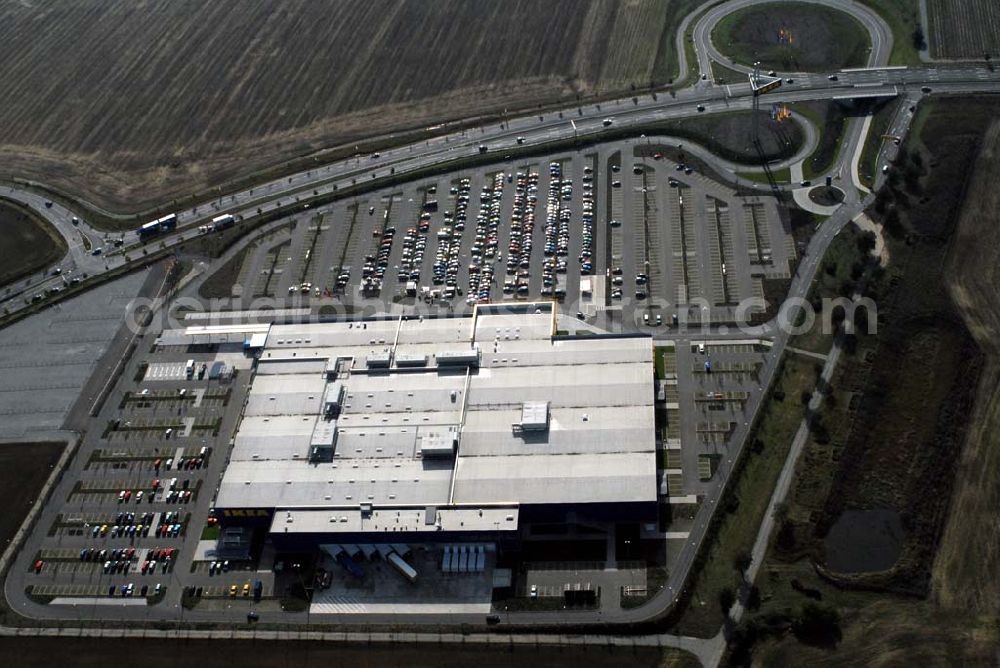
x=78 y=261
x=537 y=131
x=534 y=131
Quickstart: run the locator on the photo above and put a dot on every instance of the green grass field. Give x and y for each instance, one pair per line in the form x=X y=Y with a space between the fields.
x=833 y=279
x=28 y=244
x=727 y=135
x=830 y=118
x=903 y=17
x=220 y=284
x=867 y=167
x=783 y=175
x=793 y=36
x=723 y=75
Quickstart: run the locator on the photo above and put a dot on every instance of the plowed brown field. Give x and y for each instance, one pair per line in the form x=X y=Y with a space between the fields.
x=131 y=104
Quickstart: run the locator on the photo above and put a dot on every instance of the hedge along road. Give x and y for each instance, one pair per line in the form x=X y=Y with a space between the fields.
x=879 y=32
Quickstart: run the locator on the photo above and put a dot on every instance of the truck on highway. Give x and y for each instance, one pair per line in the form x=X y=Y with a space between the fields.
x=223 y=222
x=150 y=229
x=158 y=226
x=404 y=568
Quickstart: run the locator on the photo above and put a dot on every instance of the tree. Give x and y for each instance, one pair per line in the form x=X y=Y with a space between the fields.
x=861 y=320
x=726 y=599
x=753 y=599
x=819 y=431
x=901 y=155
x=892 y=223
x=856 y=270
x=817 y=625
x=786 y=536
x=919 y=41
x=742 y=560
x=851 y=344
x=893 y=178
x=882 y=200
x=866 y=241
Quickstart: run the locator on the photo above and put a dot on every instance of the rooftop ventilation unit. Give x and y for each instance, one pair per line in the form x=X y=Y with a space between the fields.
x=534 y=416
x=411 y=360
x=333 y=399
x=458 y=357
x=379 y=360
x=439 y=442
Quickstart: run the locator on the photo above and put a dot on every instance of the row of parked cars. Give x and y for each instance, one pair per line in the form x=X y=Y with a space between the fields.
x=128 y=589
x=557 y=219
x=414 y=246
x=121 y=530
x=218 y=567
x=522 y=226
x=234 y=590
x=373 y=271
x=120 y=560
x=587 y=219
x=93 y=554
x=484 y=247
x=446 y=260
x=131 y=525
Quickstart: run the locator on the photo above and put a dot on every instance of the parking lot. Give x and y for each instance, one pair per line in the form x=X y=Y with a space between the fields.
x=126 y=519
x=715 y=381
x=599 y=230
x=45 y=360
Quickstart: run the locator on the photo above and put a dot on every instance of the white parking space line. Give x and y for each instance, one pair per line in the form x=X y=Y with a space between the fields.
x=166 y=371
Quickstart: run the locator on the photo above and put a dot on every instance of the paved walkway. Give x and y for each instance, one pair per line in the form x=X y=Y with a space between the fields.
x=856 y=158
x=98 y=600
x=338 y=605
x=807 y=353
x=881 y=251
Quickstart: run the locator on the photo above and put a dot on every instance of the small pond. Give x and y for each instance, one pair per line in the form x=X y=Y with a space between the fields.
x=864 y=540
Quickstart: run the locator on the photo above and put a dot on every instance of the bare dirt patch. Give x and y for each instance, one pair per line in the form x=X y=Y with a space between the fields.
x=27 y=243
x=964 y=28
x=45 y=652
x=24 y=468
x=967 y=570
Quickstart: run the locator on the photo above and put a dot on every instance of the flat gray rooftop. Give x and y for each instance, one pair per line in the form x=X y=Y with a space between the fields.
x=393 y=434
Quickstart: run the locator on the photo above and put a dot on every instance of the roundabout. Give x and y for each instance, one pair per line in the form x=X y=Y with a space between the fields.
x=879 y=35
x=827 y=195
x=792 y=37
